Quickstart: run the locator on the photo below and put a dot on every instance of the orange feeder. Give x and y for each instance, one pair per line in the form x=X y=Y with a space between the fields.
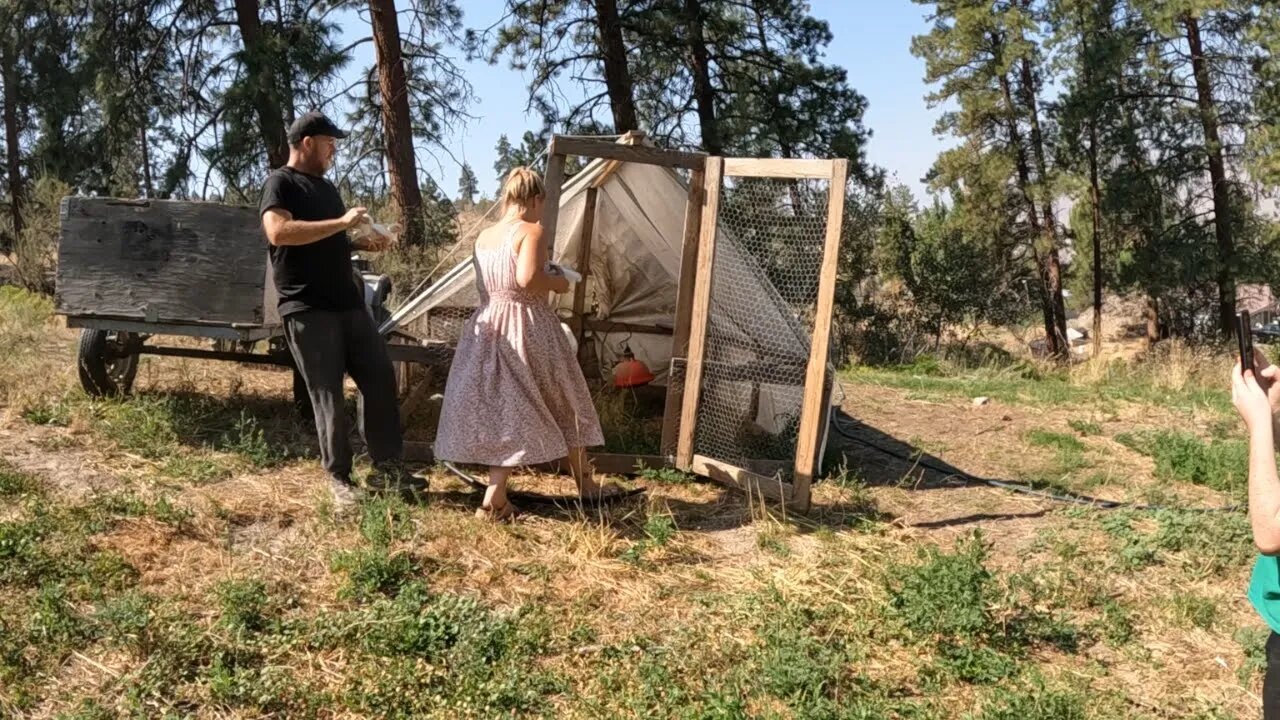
x=630 y=372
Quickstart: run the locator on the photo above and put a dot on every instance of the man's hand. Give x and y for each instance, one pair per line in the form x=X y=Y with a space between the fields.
x=355 y=216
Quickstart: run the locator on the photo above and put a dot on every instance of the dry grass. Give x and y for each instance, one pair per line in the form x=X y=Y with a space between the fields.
x=688 y=602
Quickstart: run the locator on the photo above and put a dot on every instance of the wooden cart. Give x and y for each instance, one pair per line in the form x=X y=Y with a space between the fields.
x=132 y=272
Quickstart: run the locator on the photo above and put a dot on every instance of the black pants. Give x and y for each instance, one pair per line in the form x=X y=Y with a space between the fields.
x=326 y=345
x=1271 y=680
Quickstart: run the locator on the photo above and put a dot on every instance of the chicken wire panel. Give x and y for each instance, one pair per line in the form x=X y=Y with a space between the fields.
x=443 y=323
x=764 y=296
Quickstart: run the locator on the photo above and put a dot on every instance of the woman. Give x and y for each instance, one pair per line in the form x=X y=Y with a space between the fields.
x=1257 y=398
x=516 y=395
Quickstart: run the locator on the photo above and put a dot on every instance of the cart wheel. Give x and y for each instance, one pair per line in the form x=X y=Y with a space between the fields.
x=106 y=365
x=301 y=399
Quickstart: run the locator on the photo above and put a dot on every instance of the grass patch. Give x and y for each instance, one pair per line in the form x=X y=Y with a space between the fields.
x=1087 y=428
x=16 y=484
x=195 y=469
x=1203 y=544
x=1191 y=610
x=1197 y=384
x=1069 y=455
x=56 y=413
x=659 y=529
x=160 y=426
x=245 y=607
x=666 y=476
x=1039 y=702
x=1115 y=626
x=1253 y=643
x=946 y=602
x=373 y=571
x=1058 y=441
x=946 y=594
x=1217 y=464
x=385 y=519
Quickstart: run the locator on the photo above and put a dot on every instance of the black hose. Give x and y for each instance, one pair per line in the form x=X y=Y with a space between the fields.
x=1064 y=497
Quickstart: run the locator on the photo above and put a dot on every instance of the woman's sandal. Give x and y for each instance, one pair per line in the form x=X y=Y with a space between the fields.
x=503 y=513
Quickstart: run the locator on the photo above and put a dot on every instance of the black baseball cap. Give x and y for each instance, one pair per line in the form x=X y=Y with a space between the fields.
x=313 y=123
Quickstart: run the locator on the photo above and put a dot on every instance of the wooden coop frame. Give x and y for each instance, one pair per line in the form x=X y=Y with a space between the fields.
x=693 y=305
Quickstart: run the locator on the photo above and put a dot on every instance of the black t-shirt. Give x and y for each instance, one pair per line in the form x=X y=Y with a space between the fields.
x=317 y=276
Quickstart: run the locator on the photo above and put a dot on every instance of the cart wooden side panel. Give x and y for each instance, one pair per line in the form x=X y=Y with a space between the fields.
x=163 y=261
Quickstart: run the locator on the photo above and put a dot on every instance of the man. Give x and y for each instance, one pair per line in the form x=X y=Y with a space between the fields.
x=328 y=328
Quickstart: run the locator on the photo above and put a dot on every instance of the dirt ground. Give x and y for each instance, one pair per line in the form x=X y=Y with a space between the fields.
x=273 y=523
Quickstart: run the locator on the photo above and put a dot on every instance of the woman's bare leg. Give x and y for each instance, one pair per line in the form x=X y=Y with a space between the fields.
x=495 y=497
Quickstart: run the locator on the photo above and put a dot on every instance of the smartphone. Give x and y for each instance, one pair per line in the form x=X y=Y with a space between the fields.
x=1244 y=333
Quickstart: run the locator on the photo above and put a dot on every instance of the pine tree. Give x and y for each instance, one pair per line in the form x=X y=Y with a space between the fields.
x=986 y=57
x=531 y=153
x=468 y=186
x=582 y=39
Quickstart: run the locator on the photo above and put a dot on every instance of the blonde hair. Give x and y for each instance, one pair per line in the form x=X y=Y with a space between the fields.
x=521 y=187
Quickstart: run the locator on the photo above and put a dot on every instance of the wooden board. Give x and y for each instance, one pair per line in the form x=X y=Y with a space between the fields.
x=812 y=412
x=612 y=464
x=699 y=312
x=608 y=326
x=751 y=483
x=163 y=261
x=585 y=147
x=605 y=463
x=684 y=310
x=551 y=203
x=217 y=332
x=520 y=497
x=584 y=261
x=777 y=168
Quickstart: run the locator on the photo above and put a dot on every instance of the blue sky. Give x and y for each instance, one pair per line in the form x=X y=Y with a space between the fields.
x=872 y=41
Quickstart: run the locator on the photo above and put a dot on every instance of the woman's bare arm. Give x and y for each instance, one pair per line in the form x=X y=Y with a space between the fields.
x=531 y=260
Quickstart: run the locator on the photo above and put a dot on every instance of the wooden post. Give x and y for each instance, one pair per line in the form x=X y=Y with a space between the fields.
x=551 y=202
x=584 y=263
x=699 y=312
x=684 y=309
x=812 y=413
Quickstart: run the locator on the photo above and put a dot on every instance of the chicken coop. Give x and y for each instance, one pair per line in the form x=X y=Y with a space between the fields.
x=708 y=282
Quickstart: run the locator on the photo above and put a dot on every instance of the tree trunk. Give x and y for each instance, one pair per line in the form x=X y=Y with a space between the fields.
x=147 y=188
x=1153 y=321
x=1095 y=194
x=13 y=150
x=702 y=90
x=1024 y=188
x=396 y=126
x=266 y=95
x=617 y=77
x=1218 y=175
x=1053 y=275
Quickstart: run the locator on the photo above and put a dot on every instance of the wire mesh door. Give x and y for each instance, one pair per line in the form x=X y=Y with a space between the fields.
x=757 y=392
